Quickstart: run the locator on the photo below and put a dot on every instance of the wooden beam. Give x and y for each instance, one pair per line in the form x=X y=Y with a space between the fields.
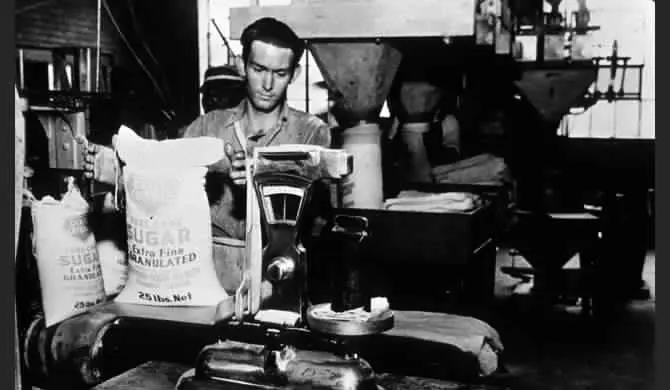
x=19 y=169
x=348 y=19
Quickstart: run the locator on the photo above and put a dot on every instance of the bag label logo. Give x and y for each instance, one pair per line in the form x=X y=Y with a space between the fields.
x=78 y=227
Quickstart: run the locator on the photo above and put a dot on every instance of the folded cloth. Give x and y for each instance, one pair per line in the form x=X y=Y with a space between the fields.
x=470 y=335
x=480 y=169
x=429 y=202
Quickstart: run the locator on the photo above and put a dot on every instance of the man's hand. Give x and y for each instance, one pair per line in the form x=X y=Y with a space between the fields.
x=99 y=161
x=238 y=165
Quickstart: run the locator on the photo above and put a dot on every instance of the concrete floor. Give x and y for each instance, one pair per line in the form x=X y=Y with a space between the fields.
x=562 y=349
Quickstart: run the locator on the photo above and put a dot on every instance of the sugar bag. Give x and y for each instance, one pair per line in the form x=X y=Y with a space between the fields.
x=168 y=221
x=67 y=258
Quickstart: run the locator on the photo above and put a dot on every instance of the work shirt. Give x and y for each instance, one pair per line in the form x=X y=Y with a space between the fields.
x=227 y=200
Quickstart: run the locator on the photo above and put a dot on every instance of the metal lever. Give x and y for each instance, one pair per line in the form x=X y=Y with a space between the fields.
x=241 y=294
x=285 y=156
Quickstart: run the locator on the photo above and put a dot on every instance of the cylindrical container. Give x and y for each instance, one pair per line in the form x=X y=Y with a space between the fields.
x=34 y=350
x=67 y=354
x=229 y=262
x=419 y=166
x=93 y=347
x=349 y=290
x=364 y=187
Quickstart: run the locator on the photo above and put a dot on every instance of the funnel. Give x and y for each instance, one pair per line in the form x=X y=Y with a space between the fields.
x=553 y=91
x=359 y=75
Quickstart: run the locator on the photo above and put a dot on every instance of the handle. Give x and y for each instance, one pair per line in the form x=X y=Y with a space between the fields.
x=284 y=156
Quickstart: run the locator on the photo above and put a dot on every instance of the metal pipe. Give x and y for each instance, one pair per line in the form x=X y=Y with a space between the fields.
x=306 y=80
x=97 y=48
x=539 y=56
x=639 y=88
x=21 y=71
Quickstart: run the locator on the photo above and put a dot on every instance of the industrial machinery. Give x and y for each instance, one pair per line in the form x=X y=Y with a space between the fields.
x=70 y=106
x=554 y=191
x=282 y=179
x=271 y=314
x=273 y=333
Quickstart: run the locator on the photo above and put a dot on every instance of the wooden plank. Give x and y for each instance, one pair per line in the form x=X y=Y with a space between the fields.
x=370 y=19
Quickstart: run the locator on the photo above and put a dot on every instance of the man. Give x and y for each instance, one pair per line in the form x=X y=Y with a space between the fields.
x=222 y=88
x=271 y=53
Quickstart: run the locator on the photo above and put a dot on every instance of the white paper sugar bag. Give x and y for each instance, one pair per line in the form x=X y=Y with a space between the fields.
x=168 y=221
x=67 y=258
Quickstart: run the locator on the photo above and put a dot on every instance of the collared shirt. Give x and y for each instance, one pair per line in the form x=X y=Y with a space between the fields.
x=227 y=201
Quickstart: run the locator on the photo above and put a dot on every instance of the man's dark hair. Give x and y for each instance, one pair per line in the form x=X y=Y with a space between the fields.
x=275 y=32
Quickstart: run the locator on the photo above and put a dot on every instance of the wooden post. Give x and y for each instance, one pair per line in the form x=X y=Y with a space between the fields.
x=19 y=166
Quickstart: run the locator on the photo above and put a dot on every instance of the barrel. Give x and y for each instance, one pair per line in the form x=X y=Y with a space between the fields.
x=67 y=354
x=83 y=351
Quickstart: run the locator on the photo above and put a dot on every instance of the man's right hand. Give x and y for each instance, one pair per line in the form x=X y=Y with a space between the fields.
x=238 y=171
x=99 y=161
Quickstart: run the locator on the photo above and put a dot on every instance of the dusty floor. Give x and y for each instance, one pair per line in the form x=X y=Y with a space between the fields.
x=564 y=350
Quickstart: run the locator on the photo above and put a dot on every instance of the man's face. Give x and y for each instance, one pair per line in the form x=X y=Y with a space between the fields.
x=269 y=72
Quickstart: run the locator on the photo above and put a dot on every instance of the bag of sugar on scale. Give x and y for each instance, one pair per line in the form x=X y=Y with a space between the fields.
x=67 y=258
x=168 y=220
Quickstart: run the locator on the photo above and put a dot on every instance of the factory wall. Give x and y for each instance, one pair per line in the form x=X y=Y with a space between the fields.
x=53 y=24
x=153 y=44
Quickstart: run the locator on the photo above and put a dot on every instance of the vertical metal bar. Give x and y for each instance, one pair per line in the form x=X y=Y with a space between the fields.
x=641 y=102
x=614 y=107
x=204 y=45
x=97 y=48
x=539 y=26
x=306 y=79
x=50 y=75
x=89 y=64
x=22 y=81
x=590 y=133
